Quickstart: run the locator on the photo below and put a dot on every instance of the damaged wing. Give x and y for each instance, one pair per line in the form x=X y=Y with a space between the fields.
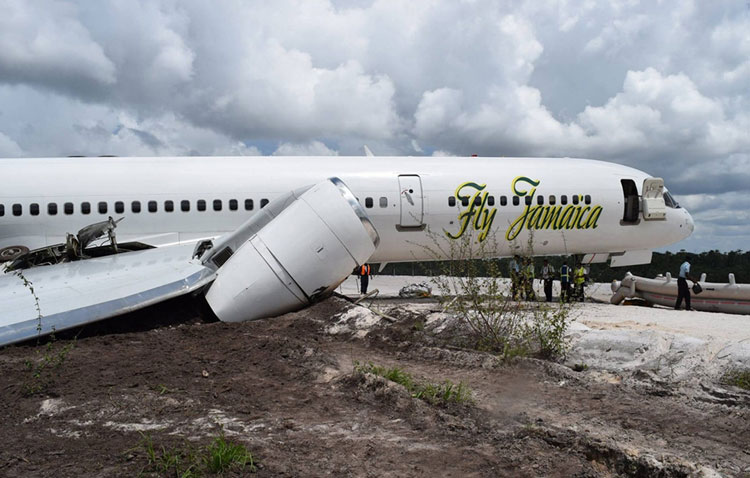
x=42 y=300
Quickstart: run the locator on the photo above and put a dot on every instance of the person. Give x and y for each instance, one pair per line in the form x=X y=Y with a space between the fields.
x=364 y=277
x=565 y=282
x=548 y=274
x=683 y=291
x=528 y=279
x=515 y=276
x=579 y=278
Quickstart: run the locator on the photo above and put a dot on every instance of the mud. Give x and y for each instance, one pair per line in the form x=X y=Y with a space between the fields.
x=286 y=388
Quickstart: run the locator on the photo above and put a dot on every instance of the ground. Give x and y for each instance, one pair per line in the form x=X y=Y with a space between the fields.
x=287 y=389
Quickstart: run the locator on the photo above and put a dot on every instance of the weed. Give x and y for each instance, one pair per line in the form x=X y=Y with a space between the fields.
x=221 y=456
x=188 y=462
x=737 y=377
x=473 y=289
x=580 y=367
x=434 y=393
x=45 y=367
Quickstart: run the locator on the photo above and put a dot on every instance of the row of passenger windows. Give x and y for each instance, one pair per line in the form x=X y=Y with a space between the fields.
x=135 y=206
x=575 y=199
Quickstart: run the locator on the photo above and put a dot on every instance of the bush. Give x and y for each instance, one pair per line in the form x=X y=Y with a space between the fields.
x=474 y=290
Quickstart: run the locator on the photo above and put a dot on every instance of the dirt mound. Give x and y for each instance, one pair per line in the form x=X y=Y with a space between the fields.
x=287 y=390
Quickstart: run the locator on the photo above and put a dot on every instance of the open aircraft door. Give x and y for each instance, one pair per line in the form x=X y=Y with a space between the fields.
x=412 y=201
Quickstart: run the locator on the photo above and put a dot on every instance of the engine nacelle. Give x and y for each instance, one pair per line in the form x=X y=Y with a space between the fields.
x=302 y=251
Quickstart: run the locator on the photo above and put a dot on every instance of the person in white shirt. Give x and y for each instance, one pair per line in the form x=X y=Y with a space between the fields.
x=683 y=291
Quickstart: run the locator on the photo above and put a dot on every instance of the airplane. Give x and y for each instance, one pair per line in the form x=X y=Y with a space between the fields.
x=260 y=236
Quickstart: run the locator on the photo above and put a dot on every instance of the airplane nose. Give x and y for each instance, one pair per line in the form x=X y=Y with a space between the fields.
x=689 y=222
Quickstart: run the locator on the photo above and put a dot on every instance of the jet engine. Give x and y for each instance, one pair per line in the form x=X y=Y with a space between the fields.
x=296 y=250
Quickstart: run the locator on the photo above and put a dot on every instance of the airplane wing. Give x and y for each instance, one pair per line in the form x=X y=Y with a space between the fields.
x=41 y=300
x=293 y=252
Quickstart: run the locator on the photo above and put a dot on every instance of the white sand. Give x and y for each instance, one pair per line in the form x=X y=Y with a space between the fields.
x=673 y=344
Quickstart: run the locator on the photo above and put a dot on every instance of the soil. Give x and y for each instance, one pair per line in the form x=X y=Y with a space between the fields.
x=287 y=390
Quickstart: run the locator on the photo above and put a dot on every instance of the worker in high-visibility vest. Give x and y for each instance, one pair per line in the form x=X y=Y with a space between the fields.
x=565 y=282
x=579 y=278
x=364 y=277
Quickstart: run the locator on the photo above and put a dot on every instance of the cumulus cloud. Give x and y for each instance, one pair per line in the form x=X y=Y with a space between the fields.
x=659 y=86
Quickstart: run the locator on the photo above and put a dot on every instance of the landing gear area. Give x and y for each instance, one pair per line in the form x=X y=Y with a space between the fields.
x=12 y=252
x=75 y=248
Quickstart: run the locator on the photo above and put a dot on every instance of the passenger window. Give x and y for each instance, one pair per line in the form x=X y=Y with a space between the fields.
x=201 y=205
x=451 y=201
x=135 y=206
x=52 y=208
x=516 y=200
x=169 y=206
x=85 y=208
x=552 y=199
x=102 y=207
x=368 y=203
x=2 y=210
x=68 y=208
x=491 y=200
x=587 y=199
x=464 y=201
x=263 y=203
x=575 y=199
x=17 y=210
x=477 y=201
x=563 y=199
x=217 y=204
x=152 y=206
x=503 y=200
x=119 y=207
x=527 y=200
x=248 y=204
x=233 y=205
x=34 y=209
x=540 y=200
x=383 y=201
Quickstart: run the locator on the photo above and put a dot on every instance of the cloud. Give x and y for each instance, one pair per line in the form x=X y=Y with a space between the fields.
x=313 y=148
x=660 y=86
x=44 y=43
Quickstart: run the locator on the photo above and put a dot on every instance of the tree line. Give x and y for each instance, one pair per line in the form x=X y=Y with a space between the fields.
x=717 y=266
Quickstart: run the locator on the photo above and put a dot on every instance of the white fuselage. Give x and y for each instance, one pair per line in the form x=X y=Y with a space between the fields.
x=408 y=199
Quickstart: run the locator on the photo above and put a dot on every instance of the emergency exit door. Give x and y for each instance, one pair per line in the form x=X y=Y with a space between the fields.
x=412 y=202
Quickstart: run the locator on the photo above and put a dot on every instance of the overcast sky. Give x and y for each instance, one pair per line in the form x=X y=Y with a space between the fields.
x=660 y=86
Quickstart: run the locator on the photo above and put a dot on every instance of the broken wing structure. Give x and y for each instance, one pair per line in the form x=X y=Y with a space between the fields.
x=303 y=245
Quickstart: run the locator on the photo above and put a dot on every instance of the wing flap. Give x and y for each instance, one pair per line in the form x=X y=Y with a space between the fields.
x=77 y=293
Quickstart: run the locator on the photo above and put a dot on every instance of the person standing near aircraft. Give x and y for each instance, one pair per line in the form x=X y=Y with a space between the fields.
x=548 y=273
x=579 y=278
x=683 y=291
x=565 y=282
x=364 y=277
x=514 y=271
x=528 y=279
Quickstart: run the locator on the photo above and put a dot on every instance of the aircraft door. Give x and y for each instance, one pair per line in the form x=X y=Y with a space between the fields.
x=412 y=201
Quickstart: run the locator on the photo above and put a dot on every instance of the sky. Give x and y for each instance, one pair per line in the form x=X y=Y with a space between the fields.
x=662 y=86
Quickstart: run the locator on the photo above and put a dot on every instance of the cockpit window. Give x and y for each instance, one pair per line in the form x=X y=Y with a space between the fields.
x=670 y=201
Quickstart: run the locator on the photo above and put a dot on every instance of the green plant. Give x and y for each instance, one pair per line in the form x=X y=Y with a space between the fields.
x=434 y=393
x=472 y=288
x=221 y=456
x=737 y=377
x=188 y=462
x=45 y=368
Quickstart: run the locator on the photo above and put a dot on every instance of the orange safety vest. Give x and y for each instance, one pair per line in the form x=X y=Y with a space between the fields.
x=364 y=270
